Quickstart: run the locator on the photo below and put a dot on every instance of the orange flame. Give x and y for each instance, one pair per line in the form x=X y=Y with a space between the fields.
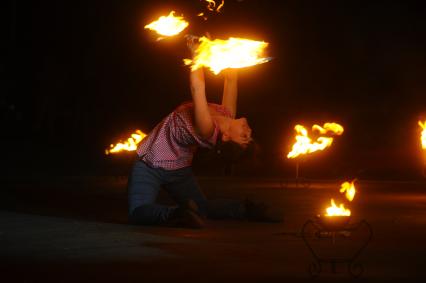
x=349 y=190
x=129 y=145
x=423 y=135
x=335 y=210
x=329 y=127
x=168 y=25
x=305 y=145
x=221 y=54
x=211 y=5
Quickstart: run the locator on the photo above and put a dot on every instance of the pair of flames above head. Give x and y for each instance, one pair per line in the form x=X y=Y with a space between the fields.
x=347 y=188
x=305 y=144
x=215 y=54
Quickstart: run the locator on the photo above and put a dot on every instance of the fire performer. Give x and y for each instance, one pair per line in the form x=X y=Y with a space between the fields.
x=165 y=157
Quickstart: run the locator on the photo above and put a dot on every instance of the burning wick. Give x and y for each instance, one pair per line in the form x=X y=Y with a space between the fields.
x=129 y=145
x=168 y=25
x=219 y=54
x=305 y=145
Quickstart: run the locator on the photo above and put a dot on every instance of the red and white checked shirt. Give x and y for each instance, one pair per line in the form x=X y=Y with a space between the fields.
x=172 y=143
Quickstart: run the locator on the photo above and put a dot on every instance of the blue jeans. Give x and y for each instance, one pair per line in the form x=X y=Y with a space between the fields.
x=144 y=186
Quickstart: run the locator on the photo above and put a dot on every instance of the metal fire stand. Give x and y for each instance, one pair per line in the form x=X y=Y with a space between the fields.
x=329 y=244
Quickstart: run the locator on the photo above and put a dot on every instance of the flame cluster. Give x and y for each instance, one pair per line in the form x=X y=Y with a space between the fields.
x=348 y=188
x=129 y=145
x=305 y=144
x=220 y=54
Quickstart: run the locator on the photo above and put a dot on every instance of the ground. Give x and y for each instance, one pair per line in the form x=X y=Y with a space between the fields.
x=66 y=229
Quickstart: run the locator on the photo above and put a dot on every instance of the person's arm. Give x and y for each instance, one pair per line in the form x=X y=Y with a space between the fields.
x=203 y=121
x=230 y=91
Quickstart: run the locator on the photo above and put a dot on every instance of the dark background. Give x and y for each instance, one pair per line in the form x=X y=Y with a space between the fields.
x=79 y=75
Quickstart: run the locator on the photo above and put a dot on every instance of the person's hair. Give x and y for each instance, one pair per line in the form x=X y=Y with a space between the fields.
x=232 y=152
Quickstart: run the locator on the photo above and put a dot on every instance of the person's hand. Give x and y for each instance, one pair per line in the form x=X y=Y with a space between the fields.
x=192 y=42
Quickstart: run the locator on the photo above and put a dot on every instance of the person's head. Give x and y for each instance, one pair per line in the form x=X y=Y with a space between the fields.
x=235 y=142
x=237 y=131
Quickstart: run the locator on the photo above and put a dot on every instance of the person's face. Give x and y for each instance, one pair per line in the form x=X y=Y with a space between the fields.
x=239 y=132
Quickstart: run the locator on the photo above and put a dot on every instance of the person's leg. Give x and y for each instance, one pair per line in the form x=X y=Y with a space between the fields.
x=143 y=188
x=183 y=186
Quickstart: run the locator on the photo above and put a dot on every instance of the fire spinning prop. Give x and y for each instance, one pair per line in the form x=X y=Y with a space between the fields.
x=129 y=145
x=219 y=54
x=168 y=25
x=334 y=225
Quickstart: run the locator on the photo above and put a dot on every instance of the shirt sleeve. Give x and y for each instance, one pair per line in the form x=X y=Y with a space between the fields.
x=184 y=132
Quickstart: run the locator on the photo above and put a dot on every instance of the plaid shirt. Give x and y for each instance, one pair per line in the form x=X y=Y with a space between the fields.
x=172 y=143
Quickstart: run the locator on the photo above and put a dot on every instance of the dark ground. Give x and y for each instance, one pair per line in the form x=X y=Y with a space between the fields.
x=74 y=229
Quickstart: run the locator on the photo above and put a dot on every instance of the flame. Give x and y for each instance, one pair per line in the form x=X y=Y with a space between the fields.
x=423 y=136
x=211 y=5
x=168 y=25
x=349 y=189
x=220 y=54
x=329 y=127
x=335 y=210
x=305 y=145
x=129 y=145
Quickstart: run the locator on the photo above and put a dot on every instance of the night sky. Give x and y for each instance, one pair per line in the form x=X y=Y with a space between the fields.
x=78 y=75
